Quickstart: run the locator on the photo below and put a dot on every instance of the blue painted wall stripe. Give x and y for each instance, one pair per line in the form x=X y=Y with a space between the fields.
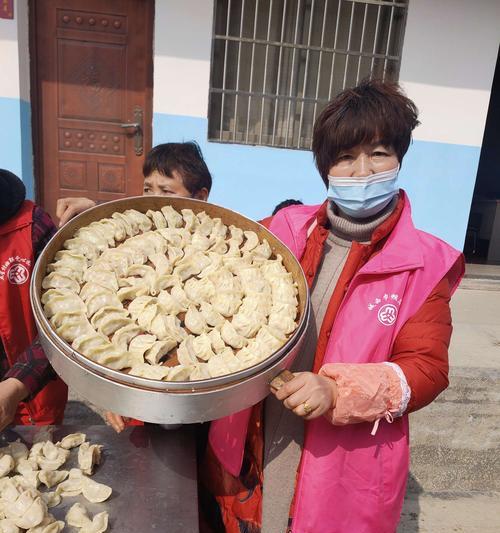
x=16 y=151
x=438 y=177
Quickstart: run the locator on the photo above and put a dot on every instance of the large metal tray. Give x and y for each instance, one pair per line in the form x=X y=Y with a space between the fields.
x=160 y=401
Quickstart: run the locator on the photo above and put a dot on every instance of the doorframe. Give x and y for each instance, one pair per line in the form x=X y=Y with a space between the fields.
x=37 y=138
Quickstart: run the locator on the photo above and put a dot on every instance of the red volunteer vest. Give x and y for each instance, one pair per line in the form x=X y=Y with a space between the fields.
x=17 y=325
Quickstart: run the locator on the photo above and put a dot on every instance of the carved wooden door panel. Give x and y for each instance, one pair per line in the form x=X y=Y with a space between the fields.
x=92 y=89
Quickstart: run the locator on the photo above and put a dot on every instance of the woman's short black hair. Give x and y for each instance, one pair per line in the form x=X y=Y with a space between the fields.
x=186 y=158
x=374 y=111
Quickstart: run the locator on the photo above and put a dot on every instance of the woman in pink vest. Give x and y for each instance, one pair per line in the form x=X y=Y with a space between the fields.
x=329 y=451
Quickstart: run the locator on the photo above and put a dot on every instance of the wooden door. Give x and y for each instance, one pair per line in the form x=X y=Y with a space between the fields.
x=92 y=69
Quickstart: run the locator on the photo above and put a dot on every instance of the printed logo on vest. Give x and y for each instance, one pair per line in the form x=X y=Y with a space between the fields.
x=387 y=308
x=16 y=270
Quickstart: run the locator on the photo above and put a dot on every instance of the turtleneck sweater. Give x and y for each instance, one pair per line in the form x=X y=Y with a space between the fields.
x=283 y=430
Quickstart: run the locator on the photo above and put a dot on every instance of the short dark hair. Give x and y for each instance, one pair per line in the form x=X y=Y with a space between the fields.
x=286 y=203
x=186 y=158
x=372 y=111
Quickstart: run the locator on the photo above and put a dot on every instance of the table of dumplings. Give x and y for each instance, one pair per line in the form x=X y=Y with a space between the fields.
x=151 y=470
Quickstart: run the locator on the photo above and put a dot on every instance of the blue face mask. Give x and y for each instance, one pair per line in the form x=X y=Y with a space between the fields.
x=363 y=197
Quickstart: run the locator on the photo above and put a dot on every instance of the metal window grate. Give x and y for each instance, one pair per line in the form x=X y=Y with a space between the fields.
x=276 y=63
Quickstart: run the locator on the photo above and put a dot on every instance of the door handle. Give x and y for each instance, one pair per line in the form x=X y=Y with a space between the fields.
x=131 y=125
x=138 y=133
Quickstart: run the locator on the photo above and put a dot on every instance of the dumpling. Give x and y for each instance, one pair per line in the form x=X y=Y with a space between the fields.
x=168 y=328
x=236 y=233
x=252 y=280
x=218 y=345
x=169 y=305
x=77 y=516
x=92 y=340
x=224 y=280
x=212 y=317
x=109 y=319
x=161 y=263
x=226 y=302
x=93 y=235
x=216 y=263
x=140 y=219
x=103 y=277
x=55 y=280
x=100 y=300
x=179 y=294
x=89 y=455
x=157 y=218
x=199 y=290
x=282 y=322
x=82 y=247
x=140 y=344
x=72 y=259
x=65 y=270
x=175 y=254
x=222 y=364
x=130 y=225
x=201 y=242
x=191 y=222
x=231 y=337
x=202 y=347
x=122 y=337
x=173 y=218
x=195 y=321
x=7 y=464
x=110 y=230
x=247 y=325
x=251 y=241
x=206 y=224
x=219 y=246
x=234 y=264
x=72 y=441
x=50 y=478
x=109 y=355
x=71 y=325
x=90 y=289
x=179 y=373
x=219 y=229
x=164 y=281
x=95 y=492
x=234 y=248
x=185 y=352
x=148 y=314
x=262 y=251
x=69 y=302
x=192 y=264
x=159 y=349
x=117 y=259
x=200 y=371
x=136 y=306
x=130 y=293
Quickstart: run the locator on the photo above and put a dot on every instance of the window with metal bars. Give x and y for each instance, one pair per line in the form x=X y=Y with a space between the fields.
x=276 y=63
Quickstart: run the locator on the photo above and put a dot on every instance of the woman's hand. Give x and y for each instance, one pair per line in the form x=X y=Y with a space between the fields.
x=12 y=391
x=67 y=208
x=117 y=422
x=308 y=395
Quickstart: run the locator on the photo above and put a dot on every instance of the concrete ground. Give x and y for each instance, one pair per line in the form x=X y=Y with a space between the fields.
x=454 y=484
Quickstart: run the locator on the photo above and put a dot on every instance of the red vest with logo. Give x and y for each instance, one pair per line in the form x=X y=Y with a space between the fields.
x=17 y=325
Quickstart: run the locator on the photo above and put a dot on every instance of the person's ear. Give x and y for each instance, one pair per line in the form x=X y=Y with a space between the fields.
x=202 y=194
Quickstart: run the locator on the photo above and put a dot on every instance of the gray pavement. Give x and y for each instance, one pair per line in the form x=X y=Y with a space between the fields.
x=454 y=484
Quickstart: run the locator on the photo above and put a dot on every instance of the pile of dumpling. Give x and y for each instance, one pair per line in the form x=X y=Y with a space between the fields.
x=24 y=504
x=170 y=296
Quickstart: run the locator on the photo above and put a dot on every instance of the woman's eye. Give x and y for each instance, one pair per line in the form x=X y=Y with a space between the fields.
x=344 y=157
x=379 y=153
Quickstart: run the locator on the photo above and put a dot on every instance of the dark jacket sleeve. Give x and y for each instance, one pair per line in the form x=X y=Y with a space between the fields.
x=421 y=348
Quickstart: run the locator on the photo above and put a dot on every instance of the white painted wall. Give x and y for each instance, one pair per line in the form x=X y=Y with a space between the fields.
x=449 y=56
x=182 y=48
x=14 y=54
